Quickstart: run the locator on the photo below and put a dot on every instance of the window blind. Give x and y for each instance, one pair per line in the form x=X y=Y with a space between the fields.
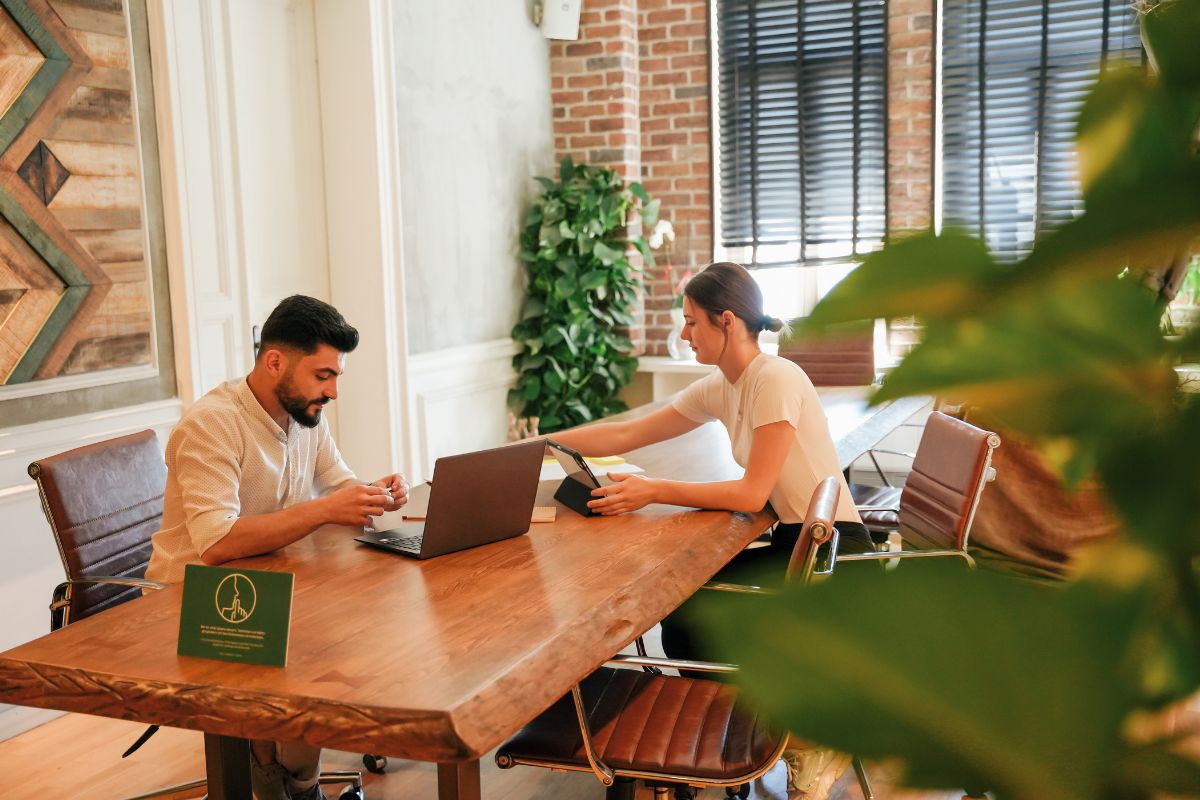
x=1014 y=75
x=802 y=110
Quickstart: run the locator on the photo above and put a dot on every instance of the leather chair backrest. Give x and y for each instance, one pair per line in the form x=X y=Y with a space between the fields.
x=848 y=361
x=947 y=479
x=103 y=502
x=817 y=528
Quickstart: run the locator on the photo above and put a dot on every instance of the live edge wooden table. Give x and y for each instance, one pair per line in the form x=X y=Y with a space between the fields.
x=438 y=661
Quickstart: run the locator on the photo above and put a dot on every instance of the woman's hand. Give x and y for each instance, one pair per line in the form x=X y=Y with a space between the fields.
x=627 y=493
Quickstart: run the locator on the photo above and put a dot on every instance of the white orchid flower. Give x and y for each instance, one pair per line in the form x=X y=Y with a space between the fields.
x=663 y=231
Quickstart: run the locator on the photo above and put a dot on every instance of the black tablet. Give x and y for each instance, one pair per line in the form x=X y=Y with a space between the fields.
x=576 y=489
x=574 y=464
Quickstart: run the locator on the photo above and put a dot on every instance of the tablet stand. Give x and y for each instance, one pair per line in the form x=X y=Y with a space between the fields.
x=575 y=496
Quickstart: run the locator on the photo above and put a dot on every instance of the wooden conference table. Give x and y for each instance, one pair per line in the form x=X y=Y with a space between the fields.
x=437 y=661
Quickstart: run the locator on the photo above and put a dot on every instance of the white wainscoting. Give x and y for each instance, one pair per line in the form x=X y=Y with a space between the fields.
x=460 y=399
x=29 y=564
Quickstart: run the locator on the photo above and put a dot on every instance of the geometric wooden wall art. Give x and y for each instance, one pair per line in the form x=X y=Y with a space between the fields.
x=74 y=284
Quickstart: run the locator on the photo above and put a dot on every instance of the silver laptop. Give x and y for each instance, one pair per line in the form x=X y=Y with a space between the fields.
x=474 y=498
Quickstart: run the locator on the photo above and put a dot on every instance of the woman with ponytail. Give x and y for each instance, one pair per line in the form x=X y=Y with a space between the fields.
x=776 y=426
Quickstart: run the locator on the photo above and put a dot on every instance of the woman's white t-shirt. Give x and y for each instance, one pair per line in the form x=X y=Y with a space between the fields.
x=771 y=389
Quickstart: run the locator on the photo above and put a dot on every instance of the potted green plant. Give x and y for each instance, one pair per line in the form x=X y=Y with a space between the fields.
x=582 y=292
x=978 y=679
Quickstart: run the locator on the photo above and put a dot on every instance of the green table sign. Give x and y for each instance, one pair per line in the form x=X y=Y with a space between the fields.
x=235 y=614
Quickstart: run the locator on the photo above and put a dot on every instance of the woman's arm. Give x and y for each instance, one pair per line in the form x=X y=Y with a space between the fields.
x=606 y=438
x=768 y=451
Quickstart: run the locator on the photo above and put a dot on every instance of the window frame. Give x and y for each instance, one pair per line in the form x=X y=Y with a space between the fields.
x=808 y=265
x=1045 y=215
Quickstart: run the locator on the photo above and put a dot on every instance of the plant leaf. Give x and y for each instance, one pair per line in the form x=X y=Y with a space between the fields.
x=1158 y=767
x=565 y=285
x=1051 y=365
x=928 y=275
x=606 y=254
x=1153 y=481
x=593 y=280
x=650 y=214
x=533 y=307
x=532 y=385
x=1171 y=31
x=836 y=663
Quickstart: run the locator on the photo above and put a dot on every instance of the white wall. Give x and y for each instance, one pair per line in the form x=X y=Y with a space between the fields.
x=362 y=213
x=473 y=96
x=473 y=107
x=277 y=129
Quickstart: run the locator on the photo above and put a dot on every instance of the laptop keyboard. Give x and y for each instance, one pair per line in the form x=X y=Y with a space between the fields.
x=411 y=544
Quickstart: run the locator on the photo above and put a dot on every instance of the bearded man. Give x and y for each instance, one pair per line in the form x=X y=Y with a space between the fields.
x=252 y=467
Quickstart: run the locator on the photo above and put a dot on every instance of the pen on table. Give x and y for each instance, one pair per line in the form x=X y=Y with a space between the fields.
x=420 y=515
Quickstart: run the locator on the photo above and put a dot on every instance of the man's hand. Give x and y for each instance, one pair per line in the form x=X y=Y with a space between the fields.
x=355 y=504
x=398 y=487
x=628 y=493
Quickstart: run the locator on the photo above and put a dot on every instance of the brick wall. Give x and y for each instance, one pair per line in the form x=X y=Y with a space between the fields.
x=910 y=114
x=676 y=151
x=594 y=89
x=633 y=94
x=910 y=135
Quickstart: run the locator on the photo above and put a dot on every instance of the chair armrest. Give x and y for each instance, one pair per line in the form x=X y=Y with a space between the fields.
x=114 y=580
x=737 y=588
x=885 y=451
x=900 y=554
x=671 y=663
x=878 y=467
x=60 y=599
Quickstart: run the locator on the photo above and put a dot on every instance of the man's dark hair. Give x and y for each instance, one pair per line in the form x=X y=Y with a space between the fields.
x=304 y=323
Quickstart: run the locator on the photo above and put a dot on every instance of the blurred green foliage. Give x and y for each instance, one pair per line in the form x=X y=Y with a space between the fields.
x=979 y=680
x=581 y=291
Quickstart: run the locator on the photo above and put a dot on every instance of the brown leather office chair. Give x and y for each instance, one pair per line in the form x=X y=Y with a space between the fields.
x=934 y=511
x=103 y=502
x=847 y=360
x=672 y=732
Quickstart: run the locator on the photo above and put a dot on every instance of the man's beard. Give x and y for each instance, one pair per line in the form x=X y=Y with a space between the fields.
x=297 y=406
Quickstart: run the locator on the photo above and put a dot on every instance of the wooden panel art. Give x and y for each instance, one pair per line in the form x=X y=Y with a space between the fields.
x=74 y=280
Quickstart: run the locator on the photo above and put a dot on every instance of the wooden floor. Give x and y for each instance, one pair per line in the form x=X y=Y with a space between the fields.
x=79 y=756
